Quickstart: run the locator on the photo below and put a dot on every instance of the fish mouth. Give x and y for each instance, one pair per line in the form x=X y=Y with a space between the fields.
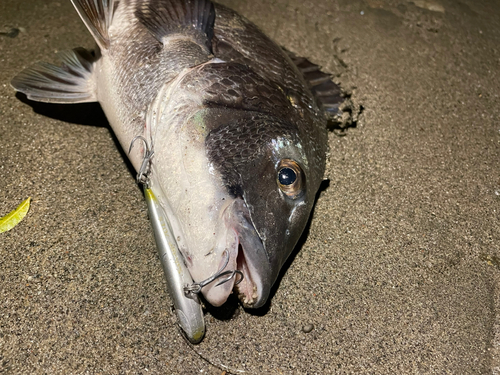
x=239 y=248
x=248 y=256
x=252 y=259
x=246 y=289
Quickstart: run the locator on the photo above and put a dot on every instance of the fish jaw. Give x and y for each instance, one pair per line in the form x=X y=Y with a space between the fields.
x=232 y=239
x=227 y=248
x=252 y=259
x=246 y=254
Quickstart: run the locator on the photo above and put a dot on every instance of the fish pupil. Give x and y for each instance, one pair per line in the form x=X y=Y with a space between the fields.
x=287 y=176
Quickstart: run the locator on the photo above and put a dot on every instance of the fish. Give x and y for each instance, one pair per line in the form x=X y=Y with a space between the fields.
x=237 y=128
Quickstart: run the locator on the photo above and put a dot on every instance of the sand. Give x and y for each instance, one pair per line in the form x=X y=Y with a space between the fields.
x=398 y=272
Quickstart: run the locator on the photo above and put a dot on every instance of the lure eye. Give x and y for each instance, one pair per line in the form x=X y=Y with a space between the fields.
x=290 y=178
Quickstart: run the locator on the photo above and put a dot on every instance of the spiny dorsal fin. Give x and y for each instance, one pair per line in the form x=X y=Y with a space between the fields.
x=167 y=17
x=69 y=83
x=97 y=16
x=327 y=92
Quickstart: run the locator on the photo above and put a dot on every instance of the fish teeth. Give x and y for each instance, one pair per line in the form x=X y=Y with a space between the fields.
x=244 y=298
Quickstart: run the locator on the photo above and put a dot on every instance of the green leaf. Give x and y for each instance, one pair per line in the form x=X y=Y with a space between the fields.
x=13 y=218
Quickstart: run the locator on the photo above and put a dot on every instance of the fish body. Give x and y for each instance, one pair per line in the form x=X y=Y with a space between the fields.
x=239 y=139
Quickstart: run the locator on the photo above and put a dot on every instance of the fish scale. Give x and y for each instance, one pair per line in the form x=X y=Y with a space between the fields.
x=251 y=92
x=245 y=44
x=136 y=69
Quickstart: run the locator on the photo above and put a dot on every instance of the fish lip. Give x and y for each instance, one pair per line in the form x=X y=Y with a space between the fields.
x=247 y=255
x=249 y=288
x=252 y=260
x=216 y=294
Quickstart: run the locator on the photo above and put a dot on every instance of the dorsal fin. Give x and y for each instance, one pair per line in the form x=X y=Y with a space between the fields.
x=97 y=16
x=327 y=92
x=167 y=17
x=72 y=82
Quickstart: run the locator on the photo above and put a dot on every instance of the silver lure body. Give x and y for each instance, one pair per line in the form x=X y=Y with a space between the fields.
x=188 y=310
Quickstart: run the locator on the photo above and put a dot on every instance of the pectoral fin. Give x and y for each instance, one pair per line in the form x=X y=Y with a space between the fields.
x=72 y=82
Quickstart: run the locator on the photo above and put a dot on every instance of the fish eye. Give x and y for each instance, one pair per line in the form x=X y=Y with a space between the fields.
x=290 y=178
x=287 y=176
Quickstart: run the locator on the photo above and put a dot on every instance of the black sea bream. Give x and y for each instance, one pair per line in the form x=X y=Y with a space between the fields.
x=239 y=139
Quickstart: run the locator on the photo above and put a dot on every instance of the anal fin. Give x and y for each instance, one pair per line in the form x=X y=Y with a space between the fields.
x=193 y=18
x=71 y=82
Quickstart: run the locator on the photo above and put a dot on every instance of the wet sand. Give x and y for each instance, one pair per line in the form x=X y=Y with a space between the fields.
x=400 y=267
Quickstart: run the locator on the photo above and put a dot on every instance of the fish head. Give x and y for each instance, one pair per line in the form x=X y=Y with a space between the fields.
x=264 y=165
x=236 y=188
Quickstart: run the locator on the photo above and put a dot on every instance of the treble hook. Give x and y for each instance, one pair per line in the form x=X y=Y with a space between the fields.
x=142 y=177
x=195 y=288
